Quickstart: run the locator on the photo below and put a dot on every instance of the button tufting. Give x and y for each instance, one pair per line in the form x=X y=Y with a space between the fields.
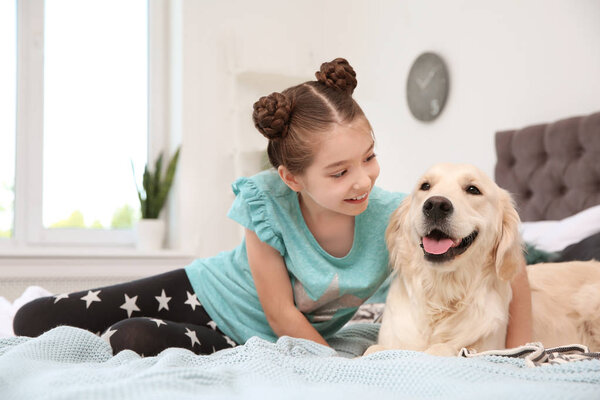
x=562 y=190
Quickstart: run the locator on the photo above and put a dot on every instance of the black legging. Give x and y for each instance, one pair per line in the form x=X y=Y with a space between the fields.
x=146 y=315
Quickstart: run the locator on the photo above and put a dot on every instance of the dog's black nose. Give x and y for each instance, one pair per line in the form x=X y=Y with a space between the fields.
x=437 y=207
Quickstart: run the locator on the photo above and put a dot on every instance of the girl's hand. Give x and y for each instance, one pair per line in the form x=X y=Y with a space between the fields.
x=275 y=291
x=520 y=323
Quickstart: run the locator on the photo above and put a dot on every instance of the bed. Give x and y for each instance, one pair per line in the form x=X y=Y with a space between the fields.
x=553 y=173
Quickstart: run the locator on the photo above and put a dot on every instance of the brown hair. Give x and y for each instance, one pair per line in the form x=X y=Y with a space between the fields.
x=295 y=119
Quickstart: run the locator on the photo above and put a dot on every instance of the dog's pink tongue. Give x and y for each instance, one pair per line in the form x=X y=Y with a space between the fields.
x=433 y=246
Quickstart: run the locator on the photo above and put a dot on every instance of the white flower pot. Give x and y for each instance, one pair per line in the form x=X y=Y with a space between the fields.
x=150 y=234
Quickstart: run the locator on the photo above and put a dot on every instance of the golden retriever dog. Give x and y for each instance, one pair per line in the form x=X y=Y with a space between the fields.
x=455 y=246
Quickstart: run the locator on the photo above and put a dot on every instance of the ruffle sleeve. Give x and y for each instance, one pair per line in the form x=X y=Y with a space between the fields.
x=252 y=209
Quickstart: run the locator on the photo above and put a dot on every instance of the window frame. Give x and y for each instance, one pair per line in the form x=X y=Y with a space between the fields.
x=28 y=230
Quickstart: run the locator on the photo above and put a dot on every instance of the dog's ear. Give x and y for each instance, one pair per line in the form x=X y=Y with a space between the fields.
x=509 y=248
x=396 y=230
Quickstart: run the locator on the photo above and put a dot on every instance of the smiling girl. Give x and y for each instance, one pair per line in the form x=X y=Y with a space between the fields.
x=313 y=251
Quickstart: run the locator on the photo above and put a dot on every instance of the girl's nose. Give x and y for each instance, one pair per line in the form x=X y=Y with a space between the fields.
x=363 y=181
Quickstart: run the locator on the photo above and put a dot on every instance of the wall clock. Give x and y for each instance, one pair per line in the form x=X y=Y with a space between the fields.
x=427 y=87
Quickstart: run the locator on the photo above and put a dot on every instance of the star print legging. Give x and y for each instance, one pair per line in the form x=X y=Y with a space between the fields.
x=146 y=315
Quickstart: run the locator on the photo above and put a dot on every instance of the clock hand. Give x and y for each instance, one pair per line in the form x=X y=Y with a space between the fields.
x=429 y=78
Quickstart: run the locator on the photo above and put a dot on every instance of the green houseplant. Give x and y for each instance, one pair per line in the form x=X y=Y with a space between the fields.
x=156 y=187
x=153 y=195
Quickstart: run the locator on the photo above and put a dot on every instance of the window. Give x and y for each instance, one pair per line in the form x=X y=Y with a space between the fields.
x=95 y=111
x=76 y=117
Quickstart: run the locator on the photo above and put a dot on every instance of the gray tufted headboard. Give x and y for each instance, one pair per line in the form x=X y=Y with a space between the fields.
x=552 y=170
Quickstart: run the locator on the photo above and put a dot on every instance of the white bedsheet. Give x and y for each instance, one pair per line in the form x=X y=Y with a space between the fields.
x=556 y=235
x=8 y=309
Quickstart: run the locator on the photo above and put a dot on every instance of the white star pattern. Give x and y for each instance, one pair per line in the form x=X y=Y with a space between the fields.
x=90 y=297
x=213 y=325
x=229 y=341
x=192 y=336
x=130 y=305
x=163 y=301
x=60 y=297
x=108 y=334
x=158 y=322
x=192 y=300
x=330 y=301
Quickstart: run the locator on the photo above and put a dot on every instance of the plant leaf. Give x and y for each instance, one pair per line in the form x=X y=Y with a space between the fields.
x=166 y=184
x=157 y=173
x=148 y=183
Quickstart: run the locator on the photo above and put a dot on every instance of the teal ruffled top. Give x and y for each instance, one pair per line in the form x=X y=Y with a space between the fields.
x=327 y=289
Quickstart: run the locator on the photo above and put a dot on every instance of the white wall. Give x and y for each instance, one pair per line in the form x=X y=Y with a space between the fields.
x=512 y=63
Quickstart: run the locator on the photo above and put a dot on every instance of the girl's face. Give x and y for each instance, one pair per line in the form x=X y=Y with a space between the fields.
x=343 y=172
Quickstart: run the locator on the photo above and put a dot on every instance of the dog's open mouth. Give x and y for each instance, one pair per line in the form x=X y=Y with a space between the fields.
x=439 y=247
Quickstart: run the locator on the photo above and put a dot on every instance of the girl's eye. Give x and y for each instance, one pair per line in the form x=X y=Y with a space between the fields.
x=339 y=174
x=372 y=156
x=473 y=190
x=425 y=186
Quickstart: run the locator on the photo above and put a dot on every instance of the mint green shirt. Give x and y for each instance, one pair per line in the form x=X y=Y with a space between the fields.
x=327 y=289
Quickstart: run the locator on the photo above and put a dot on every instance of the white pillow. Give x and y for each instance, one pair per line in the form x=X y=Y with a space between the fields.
x=8 y=309
x=556 y=235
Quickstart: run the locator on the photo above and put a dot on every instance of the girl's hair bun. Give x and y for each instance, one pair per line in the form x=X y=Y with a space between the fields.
x=338 y=74
x=271 y=115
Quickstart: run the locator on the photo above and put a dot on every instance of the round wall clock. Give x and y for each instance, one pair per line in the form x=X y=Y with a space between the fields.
x=427 y=87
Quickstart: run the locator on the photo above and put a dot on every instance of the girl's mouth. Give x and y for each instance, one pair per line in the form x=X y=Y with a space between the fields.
x=358 y=199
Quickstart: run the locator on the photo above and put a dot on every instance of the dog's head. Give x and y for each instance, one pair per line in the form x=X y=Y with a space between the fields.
x=456 y=216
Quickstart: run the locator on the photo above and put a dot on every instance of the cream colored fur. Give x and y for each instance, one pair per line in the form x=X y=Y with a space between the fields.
x=441 y=307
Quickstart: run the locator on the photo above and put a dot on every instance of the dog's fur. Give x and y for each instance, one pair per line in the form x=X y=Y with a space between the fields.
x=442 y=303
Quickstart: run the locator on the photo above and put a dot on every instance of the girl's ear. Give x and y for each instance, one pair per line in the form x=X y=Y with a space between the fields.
x=289 y=179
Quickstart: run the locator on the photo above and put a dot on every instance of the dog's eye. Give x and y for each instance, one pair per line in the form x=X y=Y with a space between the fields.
x=425 y=186
x=473 y=190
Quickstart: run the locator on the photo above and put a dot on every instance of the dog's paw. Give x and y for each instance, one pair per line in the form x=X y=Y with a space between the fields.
x=374 y=349
x=442 y=349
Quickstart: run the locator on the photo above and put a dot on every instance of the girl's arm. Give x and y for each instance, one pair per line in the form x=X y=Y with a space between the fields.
x=275 y=291
x=520 y=322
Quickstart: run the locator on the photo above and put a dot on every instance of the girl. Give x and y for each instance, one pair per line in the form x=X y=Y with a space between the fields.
x=314 y=246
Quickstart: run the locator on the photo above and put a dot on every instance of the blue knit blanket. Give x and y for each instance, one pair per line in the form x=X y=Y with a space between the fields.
x=70 y=363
